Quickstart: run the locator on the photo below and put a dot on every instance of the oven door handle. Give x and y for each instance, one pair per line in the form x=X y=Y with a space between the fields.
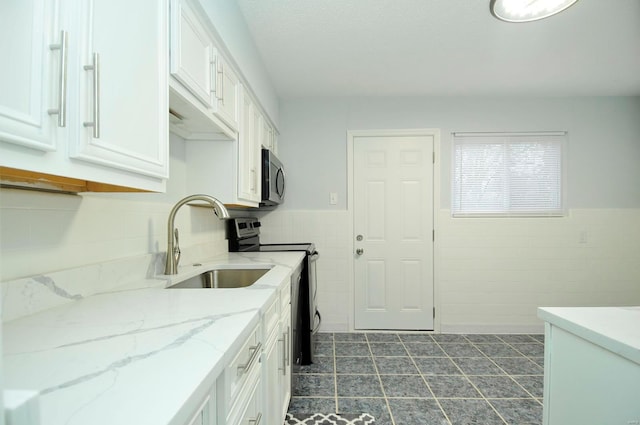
x=317 y=327
x=314 y=256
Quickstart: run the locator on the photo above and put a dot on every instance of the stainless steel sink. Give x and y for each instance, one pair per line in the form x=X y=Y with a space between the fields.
x=223 y=278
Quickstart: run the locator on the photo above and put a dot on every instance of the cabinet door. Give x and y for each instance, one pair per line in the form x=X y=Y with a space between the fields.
x=266 y=137
x=227 y=92
x=192 y=52
x=285 y=377
x=30 y=74
x=122 y=121
x=272 y=370
x=247 y=177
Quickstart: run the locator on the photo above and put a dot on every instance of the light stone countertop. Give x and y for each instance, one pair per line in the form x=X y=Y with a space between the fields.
x=616 y=329
x=140 y=354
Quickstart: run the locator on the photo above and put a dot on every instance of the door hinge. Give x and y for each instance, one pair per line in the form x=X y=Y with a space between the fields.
x=434 y=312
x=433 y=235
x=434 y=157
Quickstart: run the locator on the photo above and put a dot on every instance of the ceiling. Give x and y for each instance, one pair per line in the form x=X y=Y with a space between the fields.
x=444 y=48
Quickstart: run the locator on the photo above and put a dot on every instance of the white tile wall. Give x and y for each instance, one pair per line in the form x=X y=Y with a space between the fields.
x=43 y=232
x=491 y=274
x=494 y=273
x=329 y=231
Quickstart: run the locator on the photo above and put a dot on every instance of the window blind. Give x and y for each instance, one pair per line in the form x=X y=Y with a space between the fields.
x=508 y=174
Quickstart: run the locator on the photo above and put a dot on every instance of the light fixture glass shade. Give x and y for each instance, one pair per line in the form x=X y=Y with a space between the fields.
x=527 y=10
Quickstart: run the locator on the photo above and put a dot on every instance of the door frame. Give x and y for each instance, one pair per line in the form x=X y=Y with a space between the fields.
x=351 y=135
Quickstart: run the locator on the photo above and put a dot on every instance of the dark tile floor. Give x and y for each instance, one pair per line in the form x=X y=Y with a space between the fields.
x=422 y=378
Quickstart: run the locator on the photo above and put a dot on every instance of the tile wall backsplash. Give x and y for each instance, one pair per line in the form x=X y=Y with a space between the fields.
x=58 y=248
x=491 y=274
x=43 y=232
x=329 y=230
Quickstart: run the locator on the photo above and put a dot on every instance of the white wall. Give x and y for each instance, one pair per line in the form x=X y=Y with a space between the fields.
x=232 y=28
x=604 y=140
x=491 y=274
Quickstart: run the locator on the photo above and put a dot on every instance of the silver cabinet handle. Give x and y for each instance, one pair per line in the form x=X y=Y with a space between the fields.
x=255 y=352
x=95 y=67
x=359 y=251
x=61 y=110
x=220 y=71
x=214 y=76
x=287 y=351
x=257 y=420
x=284 y=356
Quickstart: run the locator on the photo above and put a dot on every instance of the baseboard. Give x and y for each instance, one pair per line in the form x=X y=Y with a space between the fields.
x=491 y=329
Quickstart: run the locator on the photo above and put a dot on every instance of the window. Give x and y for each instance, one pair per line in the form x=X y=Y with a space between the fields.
x=508 y=174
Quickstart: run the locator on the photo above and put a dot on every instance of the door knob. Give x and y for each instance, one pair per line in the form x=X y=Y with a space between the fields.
x=359 y=251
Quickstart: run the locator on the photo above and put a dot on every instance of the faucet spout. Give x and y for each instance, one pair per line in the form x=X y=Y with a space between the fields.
x=173 y=248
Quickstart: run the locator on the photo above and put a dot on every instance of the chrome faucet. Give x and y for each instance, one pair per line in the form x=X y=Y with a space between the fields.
x=173 y=246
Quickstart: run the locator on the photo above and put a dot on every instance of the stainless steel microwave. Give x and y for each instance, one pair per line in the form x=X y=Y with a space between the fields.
x=273 y=179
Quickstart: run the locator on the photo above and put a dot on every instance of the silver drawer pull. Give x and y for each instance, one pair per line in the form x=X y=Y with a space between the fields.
x=255 y=352
x=284 y=353
x=257 y=420
x=287 y=352
x=61 y=110
x=220 y=71
x=95 y=67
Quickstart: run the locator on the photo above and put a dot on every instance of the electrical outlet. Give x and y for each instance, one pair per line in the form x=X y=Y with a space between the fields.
x=584 y=237
x=333 y=198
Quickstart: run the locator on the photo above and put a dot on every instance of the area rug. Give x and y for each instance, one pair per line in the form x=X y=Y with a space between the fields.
x=329 y=419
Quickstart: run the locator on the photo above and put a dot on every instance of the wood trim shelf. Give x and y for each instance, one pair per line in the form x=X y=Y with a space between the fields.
x=32 y=180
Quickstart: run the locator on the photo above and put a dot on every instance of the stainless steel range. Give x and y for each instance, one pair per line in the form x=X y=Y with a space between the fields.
x=244 y=236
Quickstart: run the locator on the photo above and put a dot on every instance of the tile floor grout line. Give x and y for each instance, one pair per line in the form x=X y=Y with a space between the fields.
x=335 y=372
x=384 y=393
x=511 y=376
x=516 y=400
x=469 y=380
x=505 y=372
x=426 y=382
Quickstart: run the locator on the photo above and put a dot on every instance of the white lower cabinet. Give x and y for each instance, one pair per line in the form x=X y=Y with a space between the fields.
x=586 y=383
x=277 y=360
x=239 y=391
x=255 y=387
x=205 y=415
x=284 y=381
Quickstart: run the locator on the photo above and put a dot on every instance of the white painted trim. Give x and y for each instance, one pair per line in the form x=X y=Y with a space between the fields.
x=473 y=328
x=433 y=132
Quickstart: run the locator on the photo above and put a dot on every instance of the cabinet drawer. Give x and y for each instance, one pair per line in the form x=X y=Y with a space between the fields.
x=243 y=363
x=271 y=316
x=247 y=410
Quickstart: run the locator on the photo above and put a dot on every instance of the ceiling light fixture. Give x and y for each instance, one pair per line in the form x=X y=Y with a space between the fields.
x=527 y=10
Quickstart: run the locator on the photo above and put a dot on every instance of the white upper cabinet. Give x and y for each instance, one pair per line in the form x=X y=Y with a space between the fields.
x=30 y=79
x=204 y=87
x=121 y=92
x=249 y=165
x=192 y=53
x=227 y=92
x=86 y=95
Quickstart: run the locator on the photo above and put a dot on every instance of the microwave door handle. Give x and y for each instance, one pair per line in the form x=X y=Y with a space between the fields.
x=284 y=181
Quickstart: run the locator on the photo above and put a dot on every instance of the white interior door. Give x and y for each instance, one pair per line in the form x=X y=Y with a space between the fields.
x=393 y=232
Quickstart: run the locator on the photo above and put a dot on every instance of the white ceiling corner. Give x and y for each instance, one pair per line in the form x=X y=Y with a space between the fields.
x=444 y=48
